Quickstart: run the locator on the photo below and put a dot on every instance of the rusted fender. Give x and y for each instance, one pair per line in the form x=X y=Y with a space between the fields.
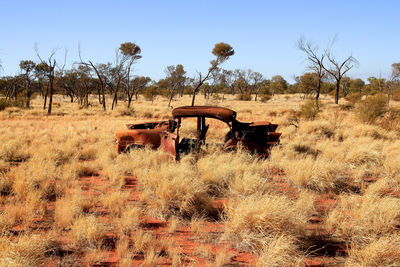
x=169 y=143
x=139 y=137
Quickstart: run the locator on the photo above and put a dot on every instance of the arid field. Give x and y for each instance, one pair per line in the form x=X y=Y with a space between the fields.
x=329 y=195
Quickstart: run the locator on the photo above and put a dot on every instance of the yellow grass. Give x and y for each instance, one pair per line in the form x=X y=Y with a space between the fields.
x=43 y=159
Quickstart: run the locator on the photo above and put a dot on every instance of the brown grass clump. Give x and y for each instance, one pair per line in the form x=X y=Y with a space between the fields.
x=383 y=251
x=319 y=175
x=129 y=220
x=87 y=232
x=250 y=220
x=372 y=108
x=173 y=188
x=280 y=251
x=115 y=202
x=69 y=208
x=124 y=252
x=25 y=250
x=14 y=150
x=357 y=219
x=6 y=183
x=142 y=242
x=310 y=109
x=232 y=173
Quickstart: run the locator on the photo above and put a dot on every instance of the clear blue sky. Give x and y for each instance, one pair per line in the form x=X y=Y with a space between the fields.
x=170 y=32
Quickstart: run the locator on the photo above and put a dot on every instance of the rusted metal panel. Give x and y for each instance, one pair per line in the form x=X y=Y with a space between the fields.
x=169 y=143
x=139 y=138
x=223 y=114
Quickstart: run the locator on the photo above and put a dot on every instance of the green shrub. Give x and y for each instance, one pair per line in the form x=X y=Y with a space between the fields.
x=372 y=108
x=244 y=97
x=310 y=109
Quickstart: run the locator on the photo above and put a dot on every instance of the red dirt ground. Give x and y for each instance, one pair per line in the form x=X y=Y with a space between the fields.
x=186 y=240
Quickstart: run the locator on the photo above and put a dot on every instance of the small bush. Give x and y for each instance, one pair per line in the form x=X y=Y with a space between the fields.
x=20 y=102
x=353 y=98
x=265 y=98
x=216 y=97
x=310 y=109
x=244 y=97
x=150 y=93
x=126 y=111
x=372 y=108
x=396 y=96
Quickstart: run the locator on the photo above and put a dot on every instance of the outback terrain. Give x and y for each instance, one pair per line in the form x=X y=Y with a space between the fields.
x=329 y=195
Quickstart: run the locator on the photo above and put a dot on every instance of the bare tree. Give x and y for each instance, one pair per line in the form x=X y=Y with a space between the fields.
x=222 y=51
x=338 y=69
x=315 y=62
x=48 y=66
x=116 y=76
x=99 y=69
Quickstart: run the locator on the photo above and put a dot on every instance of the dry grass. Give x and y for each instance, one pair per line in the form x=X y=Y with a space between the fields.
x=251 y=220
x=26 y=250
x=360 y=218
x=44 y=162
x=280 y=251
x=382 y=251
x=87 y=232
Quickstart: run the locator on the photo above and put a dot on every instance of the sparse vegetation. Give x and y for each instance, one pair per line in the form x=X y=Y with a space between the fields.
x=372 y=108
x=93 y=202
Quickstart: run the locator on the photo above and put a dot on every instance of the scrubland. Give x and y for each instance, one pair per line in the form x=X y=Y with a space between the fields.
x=329 y=194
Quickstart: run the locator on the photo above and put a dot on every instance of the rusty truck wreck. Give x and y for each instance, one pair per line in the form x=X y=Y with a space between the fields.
x=256 y=137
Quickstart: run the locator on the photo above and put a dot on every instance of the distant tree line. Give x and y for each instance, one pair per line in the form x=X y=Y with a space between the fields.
x=325 y=74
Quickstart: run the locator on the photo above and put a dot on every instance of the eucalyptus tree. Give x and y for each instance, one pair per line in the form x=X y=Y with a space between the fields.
x=130 y=53
x=222 y=51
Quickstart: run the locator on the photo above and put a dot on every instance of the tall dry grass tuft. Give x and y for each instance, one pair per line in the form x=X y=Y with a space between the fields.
x=86 y=232
x=250 y=221
x=124 y=252
x=380 y=251
x=129 y=220
x=169 y=188
x=115 y=202
x=357 y=219
x=237 y=172
x=320 y=175
x=280 y=250
x=69 y=208
x=25 y=250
